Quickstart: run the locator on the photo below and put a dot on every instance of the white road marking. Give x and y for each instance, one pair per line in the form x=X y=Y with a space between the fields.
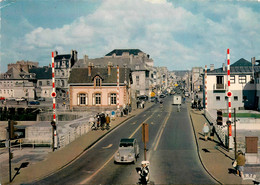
x=109 y=146
x=134 y=122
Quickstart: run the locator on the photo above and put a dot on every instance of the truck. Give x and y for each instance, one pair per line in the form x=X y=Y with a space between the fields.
x=176 y=100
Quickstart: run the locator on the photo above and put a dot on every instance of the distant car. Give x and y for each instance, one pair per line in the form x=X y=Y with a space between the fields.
x=142 y=97
x=162 y=96
x=187 y=94
x=154 y=98
x=19 y=99
x=128 y=151
x=41 y=99
x=34 y=102
x=2 y=98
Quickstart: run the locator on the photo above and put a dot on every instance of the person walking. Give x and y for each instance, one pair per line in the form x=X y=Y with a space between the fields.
x=241 y=161
x=205 y=131
x=107 y=121
x=212 y=132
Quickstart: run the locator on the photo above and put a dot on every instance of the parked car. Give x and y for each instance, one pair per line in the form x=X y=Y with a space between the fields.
x=162 y=96
x=41 y=99
x=2 y=98
x=154 y=98
x=142 y=97
x=11 y=99
x=20 y=99
x=34 y=102
x=128 y=151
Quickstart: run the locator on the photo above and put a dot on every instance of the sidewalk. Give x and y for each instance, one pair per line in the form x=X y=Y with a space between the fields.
x=215 y=158
x=64 y=156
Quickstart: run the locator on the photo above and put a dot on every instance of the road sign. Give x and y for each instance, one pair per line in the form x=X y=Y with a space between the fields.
x=229 y=94
x=53 y=94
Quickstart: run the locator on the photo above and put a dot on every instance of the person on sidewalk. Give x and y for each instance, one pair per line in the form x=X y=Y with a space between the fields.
x=108 y=121
x=205 y=131
x=212 y=132
x=241 y=161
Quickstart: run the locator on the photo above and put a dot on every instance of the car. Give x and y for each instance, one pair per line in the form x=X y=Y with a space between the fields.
x=19 y=99
x=154 y=98
x=162 y=96
x=11 y=99
x=34 y=102
x=128 y=151
x=41 y=99
x=142 y=97
x=2 y=98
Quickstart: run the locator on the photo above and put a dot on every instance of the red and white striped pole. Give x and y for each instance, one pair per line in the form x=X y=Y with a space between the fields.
x=117 y=95
x=229 y=94
x=53 y=94
x=206 y=90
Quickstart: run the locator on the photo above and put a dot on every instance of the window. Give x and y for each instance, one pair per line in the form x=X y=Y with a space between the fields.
x=220 y=80
x=62 y=83
x=232 y=79
x=242 y=79
x=48 y=82
x=235 y=98
x=226 y=98
x=82 y=99
x=98 y=81
x=40 y=83
x=113 y=99
x=98 y=98
x=137 y=80
x=244 y=98
x=218 y=98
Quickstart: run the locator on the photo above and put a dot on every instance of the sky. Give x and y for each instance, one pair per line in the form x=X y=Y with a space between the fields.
x=178 y=34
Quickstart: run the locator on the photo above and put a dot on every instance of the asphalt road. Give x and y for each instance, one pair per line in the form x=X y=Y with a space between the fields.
x=171 y=151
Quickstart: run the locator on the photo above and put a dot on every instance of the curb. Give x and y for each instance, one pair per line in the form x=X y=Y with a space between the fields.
x=198 y=151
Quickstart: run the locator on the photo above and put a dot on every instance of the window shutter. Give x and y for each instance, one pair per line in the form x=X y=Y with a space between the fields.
x=78 y=99
x=86 y=99
x=93 y=99
x=109 y=99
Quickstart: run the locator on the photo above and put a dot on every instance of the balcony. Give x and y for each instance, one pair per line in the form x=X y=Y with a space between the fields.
x=219 y=87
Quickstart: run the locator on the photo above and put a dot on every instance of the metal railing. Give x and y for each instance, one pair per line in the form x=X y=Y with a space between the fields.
x=219 y=129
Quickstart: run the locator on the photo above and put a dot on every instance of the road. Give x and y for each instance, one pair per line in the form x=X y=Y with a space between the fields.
x=172 y=153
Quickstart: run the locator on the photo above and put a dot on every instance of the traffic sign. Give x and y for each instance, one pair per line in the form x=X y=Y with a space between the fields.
x=53 y=94
x=229 y=94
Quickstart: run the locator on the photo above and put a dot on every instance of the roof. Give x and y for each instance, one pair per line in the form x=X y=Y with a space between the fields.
x=241 y=62
x=80 y=75
x=241 y=66
x=127 y=140
x=119 y=52
x=60 y=57
x=42 y=73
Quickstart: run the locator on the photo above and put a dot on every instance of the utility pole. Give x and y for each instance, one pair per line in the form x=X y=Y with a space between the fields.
x=9 y=151
x=235 y=130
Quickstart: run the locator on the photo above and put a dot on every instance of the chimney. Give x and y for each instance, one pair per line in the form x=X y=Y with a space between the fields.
x=55 y=53
x=109 y=65
x=85 y=58
x=131 y=59
x=89 y=68
x=211 y=67
x=223 y=67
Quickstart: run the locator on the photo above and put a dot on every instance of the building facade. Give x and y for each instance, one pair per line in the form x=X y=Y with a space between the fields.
x=242 y=86
x=97 y=87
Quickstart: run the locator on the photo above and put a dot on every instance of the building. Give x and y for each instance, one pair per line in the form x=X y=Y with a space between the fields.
x=16 y=83
x=141 y=66
x=242 y=86
x=97 y=87
x=43 y=76
x=63 y=64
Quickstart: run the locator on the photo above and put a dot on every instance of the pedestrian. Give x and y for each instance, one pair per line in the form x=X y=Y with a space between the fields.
x=98 y=120
x=212 y=132
x=205 y=131
x=107 y=120
x=241 y=161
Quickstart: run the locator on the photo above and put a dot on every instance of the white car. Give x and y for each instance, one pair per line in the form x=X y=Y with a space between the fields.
x=19 y=99
x=128 y=151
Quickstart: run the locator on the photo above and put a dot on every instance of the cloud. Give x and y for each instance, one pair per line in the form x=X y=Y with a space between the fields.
x=175 y=36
